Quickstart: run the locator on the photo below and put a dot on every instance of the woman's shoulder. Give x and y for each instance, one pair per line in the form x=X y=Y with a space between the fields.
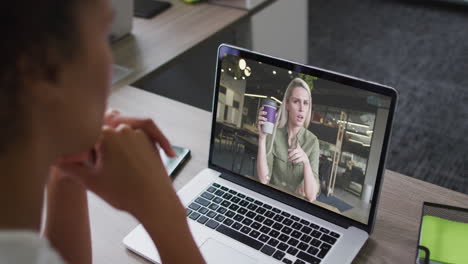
x=309 y=136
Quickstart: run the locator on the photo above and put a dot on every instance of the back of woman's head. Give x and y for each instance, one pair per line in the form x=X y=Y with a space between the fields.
x=37 y=36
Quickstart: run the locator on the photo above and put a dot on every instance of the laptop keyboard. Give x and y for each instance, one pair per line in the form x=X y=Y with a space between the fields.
x=261 y=226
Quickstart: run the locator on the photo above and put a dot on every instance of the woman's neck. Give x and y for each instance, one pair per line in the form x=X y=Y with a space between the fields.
x=24 y=171
x=293 y=130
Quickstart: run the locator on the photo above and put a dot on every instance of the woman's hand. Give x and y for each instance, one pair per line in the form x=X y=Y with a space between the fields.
x=128 y=173
x=113 y=118
x=297 y=154
x=260 y=121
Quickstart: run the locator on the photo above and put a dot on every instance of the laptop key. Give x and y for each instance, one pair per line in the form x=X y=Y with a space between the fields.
x=194 y=206
x=239 y=237
x=245 y=229
x=242 y=211
x=296 y=234
x=279 y=255
x=277 y=226
x=265 y=229
x=254 y=234
x=211 y=214
x=259 y=218
x=267 y=250
x=219 y=218
x=203 y=210
x=322 y=253
x=273 y=242
x=202 y=219
x=216 y=185
x=236 y=226
x=306 y=238
x=295 y=218
x=194 y=215
x=211 y=189
x=256 y=226
x=230 y=213
x=249 y=199
x=212 y=224
x=238 y=217
x=268 y=222
x=306 y=229
x=278 y=218
x=217 y=200
x=296 y=226
x=241 y=195
x=225 y=203
x=335 y=235
x=282 y=246
x=235 y=199
x=276 y=210
x=324 y=230
x=316 y=242
x=287 y=222
x=293 y=242
x=224 y=188
x=302 y=246
x=244 y=203
x=286 y=230
x=219 y=193
x=228 y=222
x=286 y=214
x=305 y=222
x=213 y=206
x=314 y=226
x=260 y=210
x=252 y=207
x=274 y=233
x=267 y=206
x=299 y=261
x=247 y=221
x=328 y=239
x=269 y=214
x=207 y=196
x=316 y=234
x=292 y=251
x=312 y=250
x=263 y=238
x=287 y=261
x=283 y=237
x=221 y=210
x=251 y=214
x=232 y=192
x=308 y=258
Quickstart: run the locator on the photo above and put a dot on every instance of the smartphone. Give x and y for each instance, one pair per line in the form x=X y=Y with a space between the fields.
x=149 y=8
x=172 y=164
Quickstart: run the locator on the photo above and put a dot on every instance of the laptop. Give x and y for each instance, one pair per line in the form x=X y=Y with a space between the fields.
x=322 y=213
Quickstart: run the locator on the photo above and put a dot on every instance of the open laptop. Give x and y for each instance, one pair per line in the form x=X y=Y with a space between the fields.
x=234 y=218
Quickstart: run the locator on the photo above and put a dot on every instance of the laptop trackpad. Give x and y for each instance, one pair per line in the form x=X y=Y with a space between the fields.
x=215 y=252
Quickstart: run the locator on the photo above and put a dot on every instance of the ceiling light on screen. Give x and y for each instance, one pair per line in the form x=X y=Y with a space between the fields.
x=247 y=71
x=242 y=64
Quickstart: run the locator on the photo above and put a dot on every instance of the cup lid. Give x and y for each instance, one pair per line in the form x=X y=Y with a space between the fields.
x=270 y=102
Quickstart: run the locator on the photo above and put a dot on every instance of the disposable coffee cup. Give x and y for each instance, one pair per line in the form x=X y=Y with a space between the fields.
x=270 y=107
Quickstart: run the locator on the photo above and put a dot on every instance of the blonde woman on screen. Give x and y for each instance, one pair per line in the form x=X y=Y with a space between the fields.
x=289 y=158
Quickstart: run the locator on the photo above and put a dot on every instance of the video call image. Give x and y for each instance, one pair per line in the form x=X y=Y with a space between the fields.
x=312 y=138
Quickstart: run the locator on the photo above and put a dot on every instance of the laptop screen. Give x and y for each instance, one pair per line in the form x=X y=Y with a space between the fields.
x=310 y=137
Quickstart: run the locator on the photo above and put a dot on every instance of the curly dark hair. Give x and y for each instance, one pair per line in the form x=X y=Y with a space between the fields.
x=37 y=37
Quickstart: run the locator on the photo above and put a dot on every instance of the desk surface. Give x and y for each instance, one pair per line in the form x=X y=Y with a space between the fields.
x=396 y=230
x=157 y=41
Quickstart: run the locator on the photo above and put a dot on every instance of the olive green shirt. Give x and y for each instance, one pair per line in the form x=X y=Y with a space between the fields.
x=283 y=173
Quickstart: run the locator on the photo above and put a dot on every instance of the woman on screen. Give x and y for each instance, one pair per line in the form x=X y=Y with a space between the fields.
x=289 y=158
